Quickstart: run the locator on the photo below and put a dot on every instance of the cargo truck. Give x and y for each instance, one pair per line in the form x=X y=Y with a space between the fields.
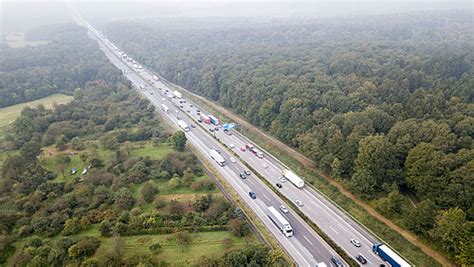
x=280 y=221
x=183 y=125
x=293 y=178
x=389 y=256
x=165 y=108
x=177 y=94
x=214 y=120
x=217 y=157
x=205 y=118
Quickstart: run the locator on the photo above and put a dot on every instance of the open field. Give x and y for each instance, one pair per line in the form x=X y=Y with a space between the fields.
x=9 y=114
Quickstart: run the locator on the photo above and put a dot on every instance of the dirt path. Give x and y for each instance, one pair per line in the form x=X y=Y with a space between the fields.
x=310 y=164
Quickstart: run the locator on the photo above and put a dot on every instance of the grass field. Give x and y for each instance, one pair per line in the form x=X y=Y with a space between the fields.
x=154 y=152
x=201 y=244
x=9 y=114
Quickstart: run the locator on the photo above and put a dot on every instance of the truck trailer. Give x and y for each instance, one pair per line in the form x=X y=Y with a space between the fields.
x=177 y=94
x=280 y=221
x=389 y=256
x=217 y=157
x=293 y=178
x=205 y=118
x=183 y=125
x=214 y=120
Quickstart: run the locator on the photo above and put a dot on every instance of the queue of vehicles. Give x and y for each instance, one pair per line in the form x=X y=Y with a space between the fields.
x=278 y=219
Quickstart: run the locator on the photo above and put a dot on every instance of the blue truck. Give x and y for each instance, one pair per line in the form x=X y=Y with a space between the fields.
x=389 y=256
x=214 y=120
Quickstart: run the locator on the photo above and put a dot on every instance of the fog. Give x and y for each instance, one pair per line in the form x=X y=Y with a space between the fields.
x=24 y=15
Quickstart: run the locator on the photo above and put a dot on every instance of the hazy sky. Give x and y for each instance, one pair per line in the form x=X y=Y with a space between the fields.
x=20 y=15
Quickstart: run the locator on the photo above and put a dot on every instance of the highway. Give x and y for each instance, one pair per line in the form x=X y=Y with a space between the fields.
x=306 y=247
x=339 y=226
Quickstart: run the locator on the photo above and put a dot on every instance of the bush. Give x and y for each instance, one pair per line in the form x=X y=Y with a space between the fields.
x=105 y=228
x=84 y=248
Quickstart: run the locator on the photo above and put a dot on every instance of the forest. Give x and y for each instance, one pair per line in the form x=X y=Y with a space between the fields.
x=100 y=182
x=61 y=66
x=384 y=104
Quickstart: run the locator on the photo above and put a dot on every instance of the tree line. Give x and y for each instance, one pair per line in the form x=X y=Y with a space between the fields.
x=68 y=61
x=385 y=104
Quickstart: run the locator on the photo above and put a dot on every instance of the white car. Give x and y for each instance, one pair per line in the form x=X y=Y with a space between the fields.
x=283 y=209
x=355 y=242
x=231 y=146
x=299 y=203
x=163 y=99
x=264 y=165
x=232 y=159
x=282 y=179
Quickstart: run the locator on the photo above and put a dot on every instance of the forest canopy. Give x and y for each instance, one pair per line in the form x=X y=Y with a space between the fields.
x=383 y=103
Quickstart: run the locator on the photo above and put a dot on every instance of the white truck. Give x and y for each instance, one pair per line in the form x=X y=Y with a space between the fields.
x=280 y=221
x=217 y=157
x=177 y=94
x=155 y=77
x=183 y=125
x=165 y=108
x=293 y=178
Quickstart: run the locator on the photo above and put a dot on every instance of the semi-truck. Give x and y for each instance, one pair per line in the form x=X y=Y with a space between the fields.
x=205 y=118
x=177 y=94
x=183 y=125
x=155 y=77
x=389 y=255
x=280 y=221
x=293 y=178
x=214 y=120
x=165 y=108
x=217 y=157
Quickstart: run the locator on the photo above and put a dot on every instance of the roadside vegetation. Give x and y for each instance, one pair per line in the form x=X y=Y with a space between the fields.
x=98 y=181
x=382 y=105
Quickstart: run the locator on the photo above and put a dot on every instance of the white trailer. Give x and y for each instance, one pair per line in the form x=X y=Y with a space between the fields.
x=165 y=108
x=280 y=221
x=293 y=178
x=217 y=157
x=177 y=94
x=183 y=125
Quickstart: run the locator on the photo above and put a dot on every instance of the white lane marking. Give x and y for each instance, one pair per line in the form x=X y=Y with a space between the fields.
x=334 y=230
x=307 y=239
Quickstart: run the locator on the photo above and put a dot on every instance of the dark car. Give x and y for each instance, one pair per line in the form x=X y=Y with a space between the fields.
x=199 y=120
x=337 y=262
x=252 y=195
x=216 y=129
x=193 y=126
x=361 y=259
x=211 y=130
x=242 y=175
x=279 y=185
x=247 y=172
